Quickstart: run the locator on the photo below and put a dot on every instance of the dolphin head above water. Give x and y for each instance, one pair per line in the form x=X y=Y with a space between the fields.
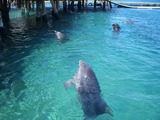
x=85 y=70
x=60 y=36
x=116 y=27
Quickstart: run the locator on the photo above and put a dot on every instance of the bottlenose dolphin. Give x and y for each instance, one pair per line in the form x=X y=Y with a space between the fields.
x=89 y=93
x=116 y=27
x=60 y=36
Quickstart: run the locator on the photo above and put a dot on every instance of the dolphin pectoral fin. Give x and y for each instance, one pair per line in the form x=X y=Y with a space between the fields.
x=108 y=110
x=68 y=83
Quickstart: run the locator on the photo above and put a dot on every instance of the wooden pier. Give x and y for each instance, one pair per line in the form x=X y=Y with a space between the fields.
x=29 y=5
x=67 y=5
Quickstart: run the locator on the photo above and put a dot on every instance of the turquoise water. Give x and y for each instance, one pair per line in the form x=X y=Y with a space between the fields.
x=126 y=64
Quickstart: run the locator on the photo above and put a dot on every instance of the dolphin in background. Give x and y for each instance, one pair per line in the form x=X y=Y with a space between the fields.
x=116 y=27
x=60 y=36
x=89 y=93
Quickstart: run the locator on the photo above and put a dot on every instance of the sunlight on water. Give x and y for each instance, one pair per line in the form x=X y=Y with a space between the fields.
x=126 y=64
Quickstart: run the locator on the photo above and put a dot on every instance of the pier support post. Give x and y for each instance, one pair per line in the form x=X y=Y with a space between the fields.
x=1 y=21
x=69 y=5
x=9 y=4
x=23 y=11
x=22 y=8
x=32 y=5
x=2 y=28
x=109 y=5
x=85 y=4
x=19 y=3
x=5 y=11
x=38 y=9
x=57 y=5
x=104 y=5
x=2 y=31
x=95 y=4
x=64 y=5
x=79 y=4
x=27 y=6
x=72 y=5
x=44 y=14
x=54 y=10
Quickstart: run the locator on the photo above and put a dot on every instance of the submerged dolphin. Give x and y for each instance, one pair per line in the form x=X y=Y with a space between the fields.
x=88 y=89
x=60 y=35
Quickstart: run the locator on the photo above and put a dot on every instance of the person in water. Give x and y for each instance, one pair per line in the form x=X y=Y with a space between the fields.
x=116 y=27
